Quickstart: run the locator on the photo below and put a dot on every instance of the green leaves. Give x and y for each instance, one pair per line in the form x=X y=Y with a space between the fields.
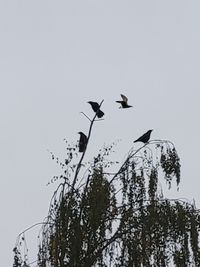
x=170 y=164
x=120 y=218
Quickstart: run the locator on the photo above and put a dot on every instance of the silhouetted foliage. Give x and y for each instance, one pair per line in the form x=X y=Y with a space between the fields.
x=102 y=218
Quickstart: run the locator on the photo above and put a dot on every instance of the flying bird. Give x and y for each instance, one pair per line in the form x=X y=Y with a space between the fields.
x=95 y=106
x=82 y=142
x=124 y=102
x=144 y=138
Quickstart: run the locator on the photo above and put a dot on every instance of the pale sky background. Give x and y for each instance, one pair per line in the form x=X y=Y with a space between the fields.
x=57 y=55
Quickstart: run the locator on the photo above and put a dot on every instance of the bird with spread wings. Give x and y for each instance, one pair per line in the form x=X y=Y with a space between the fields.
x=124 y=102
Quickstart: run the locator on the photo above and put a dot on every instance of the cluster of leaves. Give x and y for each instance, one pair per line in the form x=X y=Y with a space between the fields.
x=20 y=261
x=17 y=258
x=155 y=231
x=170 y=164
x=159 y=233
x=123 y=220
x=79 y=220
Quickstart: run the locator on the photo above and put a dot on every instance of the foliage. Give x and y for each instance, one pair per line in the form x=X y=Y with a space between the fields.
x=121 y=218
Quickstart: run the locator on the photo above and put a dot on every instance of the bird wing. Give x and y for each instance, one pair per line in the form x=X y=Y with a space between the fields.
x=125 y=99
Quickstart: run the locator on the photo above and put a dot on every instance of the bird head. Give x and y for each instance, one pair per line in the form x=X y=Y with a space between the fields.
x=149 y=131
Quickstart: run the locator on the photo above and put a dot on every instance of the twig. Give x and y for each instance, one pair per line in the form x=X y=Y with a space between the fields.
x=29 y=228
x=86 y=116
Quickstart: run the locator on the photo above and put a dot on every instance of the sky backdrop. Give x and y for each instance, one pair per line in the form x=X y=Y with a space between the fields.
x=57 y=55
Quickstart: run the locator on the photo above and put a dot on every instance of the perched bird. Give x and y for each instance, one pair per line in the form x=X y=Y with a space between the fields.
x=95 y=106
x=82 y=142
x=124 y=102
x=145 y=137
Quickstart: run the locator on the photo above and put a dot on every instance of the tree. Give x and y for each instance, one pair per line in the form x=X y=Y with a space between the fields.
x=121 y=218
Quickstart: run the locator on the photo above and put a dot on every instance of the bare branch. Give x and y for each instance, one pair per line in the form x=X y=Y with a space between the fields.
x=86 y=116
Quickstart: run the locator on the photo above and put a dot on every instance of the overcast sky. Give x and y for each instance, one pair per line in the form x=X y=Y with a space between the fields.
x=57 y=55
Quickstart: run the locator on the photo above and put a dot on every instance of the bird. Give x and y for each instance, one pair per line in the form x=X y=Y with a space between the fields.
x=144 y=138
x=95 y=106
x=124 y=102
x=82 y=142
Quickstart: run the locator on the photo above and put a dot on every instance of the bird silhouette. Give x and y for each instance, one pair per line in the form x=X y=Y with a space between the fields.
x=82 y=142
x=124 y=102
x=144 y=138
x=95 y=106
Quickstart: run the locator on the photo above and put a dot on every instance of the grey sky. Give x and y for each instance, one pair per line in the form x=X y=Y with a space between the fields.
x=56 y=56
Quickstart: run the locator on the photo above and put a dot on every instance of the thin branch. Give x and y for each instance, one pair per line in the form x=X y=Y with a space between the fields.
x=89 y=118
x=29 y=228
x=86 y=116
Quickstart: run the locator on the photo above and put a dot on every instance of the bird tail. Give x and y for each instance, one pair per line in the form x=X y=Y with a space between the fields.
x=100 y=113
